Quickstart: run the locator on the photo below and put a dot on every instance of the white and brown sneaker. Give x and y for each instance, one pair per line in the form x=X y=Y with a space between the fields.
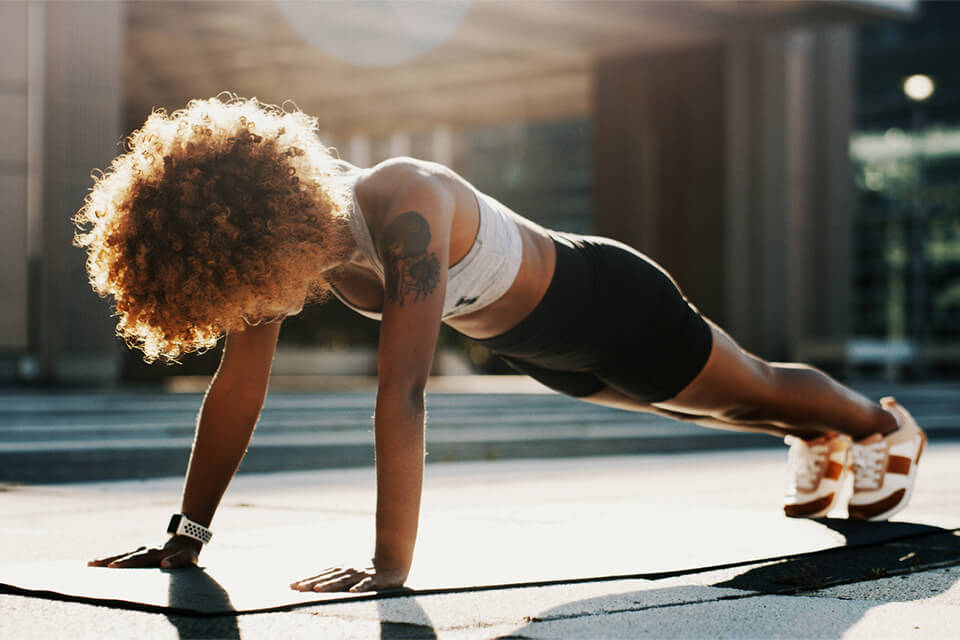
x=817 y=469
x=885 y=467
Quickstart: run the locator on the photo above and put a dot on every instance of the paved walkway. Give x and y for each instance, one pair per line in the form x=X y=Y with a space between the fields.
x=535 y=525
x=683 y=545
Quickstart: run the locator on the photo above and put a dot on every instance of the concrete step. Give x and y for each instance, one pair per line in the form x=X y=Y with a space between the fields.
x=49 y=437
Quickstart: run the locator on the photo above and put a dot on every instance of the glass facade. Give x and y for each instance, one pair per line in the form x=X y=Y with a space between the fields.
x=906 y=162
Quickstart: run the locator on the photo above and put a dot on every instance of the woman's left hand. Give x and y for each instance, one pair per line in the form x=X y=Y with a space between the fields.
x=349 y=579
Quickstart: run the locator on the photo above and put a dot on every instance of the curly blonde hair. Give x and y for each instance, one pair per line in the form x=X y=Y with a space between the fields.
x=223 y=211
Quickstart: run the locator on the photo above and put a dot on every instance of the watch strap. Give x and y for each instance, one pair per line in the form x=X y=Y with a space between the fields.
x=181 y=525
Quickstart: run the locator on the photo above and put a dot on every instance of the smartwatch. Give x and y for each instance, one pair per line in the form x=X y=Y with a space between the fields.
x=181 y=525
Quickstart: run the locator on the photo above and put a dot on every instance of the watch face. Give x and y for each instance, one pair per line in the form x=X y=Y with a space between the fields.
x=174 y=523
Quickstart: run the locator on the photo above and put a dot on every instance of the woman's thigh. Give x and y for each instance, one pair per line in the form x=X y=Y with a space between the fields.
x=613 y=318
x=731 y=383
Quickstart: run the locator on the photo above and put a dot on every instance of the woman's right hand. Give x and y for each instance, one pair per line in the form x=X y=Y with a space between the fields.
x=177 y=553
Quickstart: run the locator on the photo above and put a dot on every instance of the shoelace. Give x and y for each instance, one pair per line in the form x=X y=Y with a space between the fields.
x=868 y=463
x=805 y=462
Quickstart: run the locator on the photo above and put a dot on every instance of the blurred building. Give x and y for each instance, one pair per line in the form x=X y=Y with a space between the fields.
x=713 y=135
x=906 y=157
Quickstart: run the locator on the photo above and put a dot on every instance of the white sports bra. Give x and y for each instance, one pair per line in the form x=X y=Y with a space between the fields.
x=480 y=278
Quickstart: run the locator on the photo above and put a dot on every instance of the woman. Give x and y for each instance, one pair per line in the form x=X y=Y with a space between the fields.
x=229 y=215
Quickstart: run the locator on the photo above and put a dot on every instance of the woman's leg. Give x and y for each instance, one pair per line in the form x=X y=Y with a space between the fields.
x=737 y=388
x=612 y=398
x=738 y=391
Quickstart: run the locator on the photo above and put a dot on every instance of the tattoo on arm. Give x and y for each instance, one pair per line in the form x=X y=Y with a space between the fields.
x=412 y=271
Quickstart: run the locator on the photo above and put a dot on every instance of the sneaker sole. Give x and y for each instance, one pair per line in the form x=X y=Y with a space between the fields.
x=820 y=508
x=898 y=504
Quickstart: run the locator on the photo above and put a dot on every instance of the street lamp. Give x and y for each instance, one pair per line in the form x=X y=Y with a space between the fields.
x=918 y=88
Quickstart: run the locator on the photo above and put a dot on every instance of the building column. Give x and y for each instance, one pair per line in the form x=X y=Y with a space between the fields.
x=756 y=295
x=14 y=161
x=831 y=286
x=84 y=51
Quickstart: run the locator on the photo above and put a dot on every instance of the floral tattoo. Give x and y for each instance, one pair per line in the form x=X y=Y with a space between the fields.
x=413 y=272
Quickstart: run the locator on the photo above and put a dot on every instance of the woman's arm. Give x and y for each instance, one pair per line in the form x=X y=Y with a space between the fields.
x=415 y=244
x=413 y=238
x=225 y=424
x=227 y=418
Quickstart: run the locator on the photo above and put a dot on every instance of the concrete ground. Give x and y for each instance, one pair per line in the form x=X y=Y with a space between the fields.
x=684 y=545
x=542 y=518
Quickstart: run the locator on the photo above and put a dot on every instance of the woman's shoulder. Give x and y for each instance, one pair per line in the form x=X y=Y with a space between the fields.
x=401 y=177
x=403 y=171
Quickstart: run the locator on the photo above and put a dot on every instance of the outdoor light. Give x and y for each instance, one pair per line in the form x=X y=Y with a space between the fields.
x=375 y=33
x=918 y=87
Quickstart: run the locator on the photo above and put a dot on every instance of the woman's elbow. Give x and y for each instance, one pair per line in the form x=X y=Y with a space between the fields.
x=408 y=395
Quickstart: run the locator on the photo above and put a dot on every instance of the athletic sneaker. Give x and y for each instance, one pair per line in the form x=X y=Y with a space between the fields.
x=816 y=471
x=885 y=467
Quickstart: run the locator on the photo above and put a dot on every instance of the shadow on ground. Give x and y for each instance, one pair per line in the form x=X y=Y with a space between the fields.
x=187 y=588
x=416 y=627
x=873 y=550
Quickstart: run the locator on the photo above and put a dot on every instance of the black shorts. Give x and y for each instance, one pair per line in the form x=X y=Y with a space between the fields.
x=610 y=318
